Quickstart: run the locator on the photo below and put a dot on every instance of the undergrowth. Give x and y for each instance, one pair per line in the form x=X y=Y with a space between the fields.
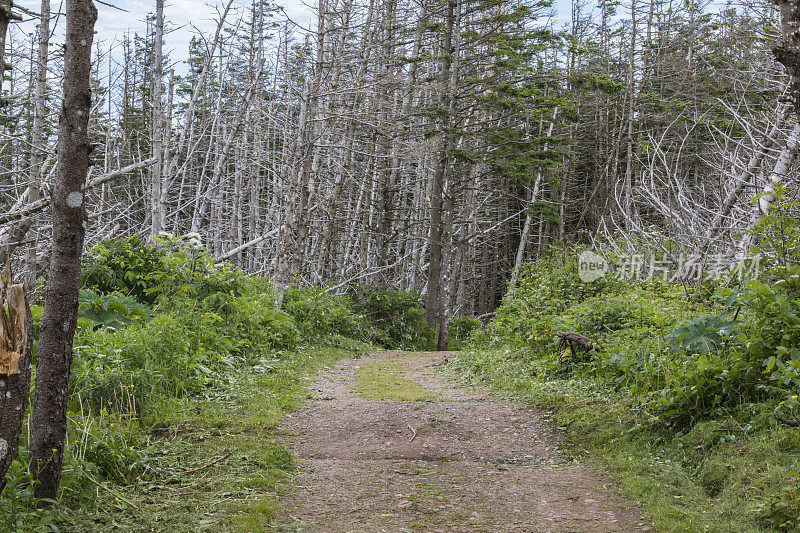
x=689 y=400
x=179 y=361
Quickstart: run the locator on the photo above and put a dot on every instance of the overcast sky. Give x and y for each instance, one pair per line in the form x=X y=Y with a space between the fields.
x=182 y=17
x=180 y=14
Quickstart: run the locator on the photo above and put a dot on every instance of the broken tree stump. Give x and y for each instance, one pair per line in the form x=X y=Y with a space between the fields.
x=580 y=345
x=16 y=347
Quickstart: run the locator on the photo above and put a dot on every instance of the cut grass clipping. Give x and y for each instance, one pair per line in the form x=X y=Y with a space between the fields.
x=184 y=487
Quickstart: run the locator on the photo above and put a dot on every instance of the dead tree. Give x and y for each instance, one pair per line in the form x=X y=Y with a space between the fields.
x=16 y=347
x=580 y=346
x=6 y=16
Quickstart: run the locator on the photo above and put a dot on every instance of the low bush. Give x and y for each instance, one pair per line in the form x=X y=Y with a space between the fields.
x=544 y=289
x=111 y=311
x=712 y=373
x=125 y=370
x=259 y=325
x=126 y=266
x=171 y=272
x=319 y=314
x=396 y=319
x=461 y=329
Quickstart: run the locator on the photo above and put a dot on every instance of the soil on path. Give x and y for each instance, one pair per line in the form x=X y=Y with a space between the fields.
x=460 y=461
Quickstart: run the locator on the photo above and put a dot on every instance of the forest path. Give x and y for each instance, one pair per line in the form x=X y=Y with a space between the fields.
x=389 y=443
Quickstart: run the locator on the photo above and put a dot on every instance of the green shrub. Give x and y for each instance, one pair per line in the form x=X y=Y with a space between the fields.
x=128 y=369
x=748 y=353
x=319 y=314
x=396 y=319
x=604 y=316
x=173 y=271
x=19 y=510
x=259 y=325
x=127 y=266
x=544 y=289
x=111 y=311
x=703 y=335
x=460 y=330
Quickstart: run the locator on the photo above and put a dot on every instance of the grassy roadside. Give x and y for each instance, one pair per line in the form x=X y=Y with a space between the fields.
x=233 y=422
x=723 y=475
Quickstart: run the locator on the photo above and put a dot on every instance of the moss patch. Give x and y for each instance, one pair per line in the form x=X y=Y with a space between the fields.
x=385 y=380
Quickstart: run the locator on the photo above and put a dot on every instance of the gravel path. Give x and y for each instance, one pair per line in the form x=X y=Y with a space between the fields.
x=464 y=462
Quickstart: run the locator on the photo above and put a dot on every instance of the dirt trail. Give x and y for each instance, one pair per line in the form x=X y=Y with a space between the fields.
x=462 y=461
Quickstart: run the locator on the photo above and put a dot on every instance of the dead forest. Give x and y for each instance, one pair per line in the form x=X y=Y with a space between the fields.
x=432 y=145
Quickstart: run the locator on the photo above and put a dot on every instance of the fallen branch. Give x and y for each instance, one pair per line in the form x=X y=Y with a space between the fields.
x=212 y=463
x=261 y=238
x=414 y=431
x=39 y=205
x=789 y=423
x=577 y=343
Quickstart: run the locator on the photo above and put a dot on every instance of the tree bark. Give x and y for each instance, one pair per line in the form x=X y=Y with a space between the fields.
x=434 y=301
x=57 y=329
x=788 y=52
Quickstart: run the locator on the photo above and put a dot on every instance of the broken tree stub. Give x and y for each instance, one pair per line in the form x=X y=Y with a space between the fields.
x=16 y=346
x=580 y=346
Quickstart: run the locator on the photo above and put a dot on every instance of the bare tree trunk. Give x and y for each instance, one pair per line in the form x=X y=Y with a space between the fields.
x=6 y=16
x=780 y=171
x=627 y=185
x=57 y=329
x=10 y=240
x=157 y=149
x=37 y=133
x=434 y=301
x=523 y=240
x=788 y=53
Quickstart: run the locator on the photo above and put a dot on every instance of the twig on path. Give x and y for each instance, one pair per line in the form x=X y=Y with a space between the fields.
x=215 y=461
x=414 y=431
